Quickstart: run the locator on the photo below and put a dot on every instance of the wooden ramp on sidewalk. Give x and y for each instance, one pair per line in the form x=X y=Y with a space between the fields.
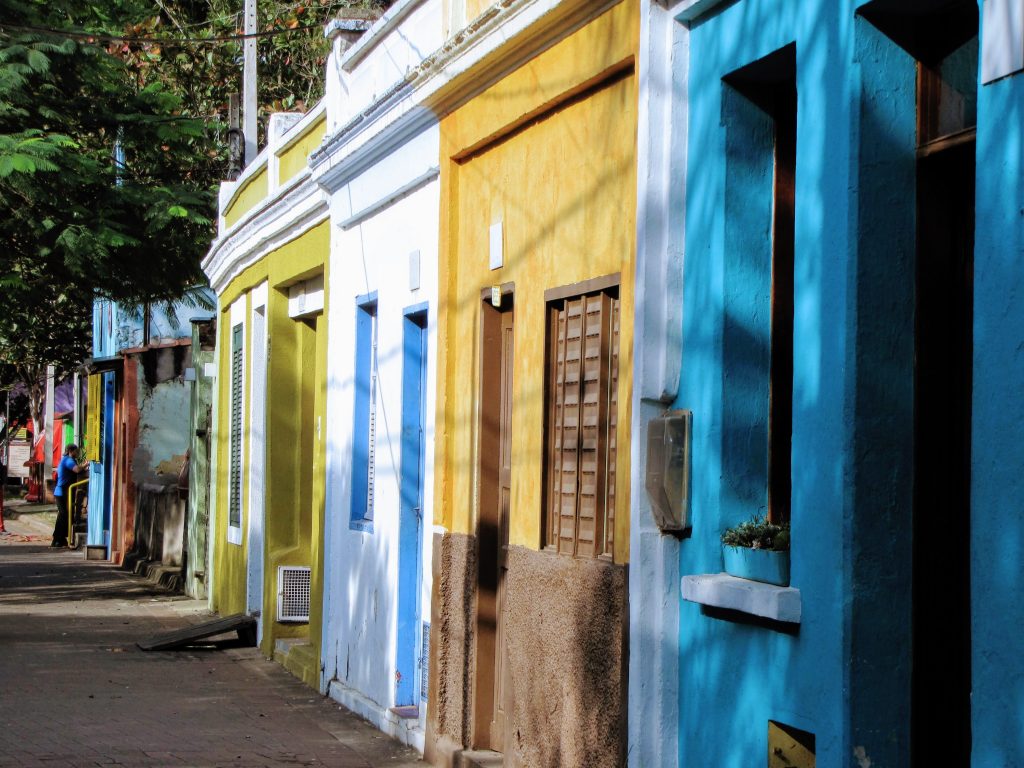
x=244 y=625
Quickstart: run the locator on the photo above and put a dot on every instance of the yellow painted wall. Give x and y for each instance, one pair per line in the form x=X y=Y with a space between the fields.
x=475 y=7
x=550 y=151
x=295 y=157
x=296 y=405
x=247 y=198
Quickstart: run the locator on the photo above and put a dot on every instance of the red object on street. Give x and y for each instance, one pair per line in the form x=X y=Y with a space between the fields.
x=35 y=491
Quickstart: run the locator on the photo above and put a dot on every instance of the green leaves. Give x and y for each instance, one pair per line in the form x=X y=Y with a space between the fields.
x=758 y=533
x=98 y=166
x=31 y=151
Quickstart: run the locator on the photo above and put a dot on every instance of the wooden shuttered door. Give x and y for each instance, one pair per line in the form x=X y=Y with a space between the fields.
x=582 y=418
x=235 y=440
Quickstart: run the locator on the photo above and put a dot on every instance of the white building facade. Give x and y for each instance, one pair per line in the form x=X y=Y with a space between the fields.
x=378 y=166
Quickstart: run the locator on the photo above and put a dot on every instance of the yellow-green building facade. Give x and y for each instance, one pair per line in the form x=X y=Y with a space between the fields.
x=269 y=267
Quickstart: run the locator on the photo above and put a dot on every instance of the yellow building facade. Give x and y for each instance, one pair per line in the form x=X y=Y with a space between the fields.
x=538 y=174
x=271 y=274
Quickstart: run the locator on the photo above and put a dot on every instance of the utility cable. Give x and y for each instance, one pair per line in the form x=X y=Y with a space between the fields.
x=95 y=37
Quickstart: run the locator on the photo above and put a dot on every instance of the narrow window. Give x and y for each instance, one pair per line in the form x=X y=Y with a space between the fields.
x=364 y=420
x=780 y=416
x=235 y=440
x=582 y=418
x=764 y=147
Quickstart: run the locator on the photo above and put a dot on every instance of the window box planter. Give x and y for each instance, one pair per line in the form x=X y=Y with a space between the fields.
x=758 y=550
x=764 y=565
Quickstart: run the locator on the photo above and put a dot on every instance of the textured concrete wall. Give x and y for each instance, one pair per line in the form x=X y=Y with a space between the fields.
x=200 y=406
x=565 y=622
x=158 y=456
x=449 y=710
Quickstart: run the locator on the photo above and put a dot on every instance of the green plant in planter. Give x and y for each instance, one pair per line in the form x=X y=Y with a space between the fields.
x=757 y=550
x=758 y=533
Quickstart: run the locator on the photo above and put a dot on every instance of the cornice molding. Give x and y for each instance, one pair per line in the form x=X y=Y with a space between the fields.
x=508 y=34
x=377 y=33
x=298 y=206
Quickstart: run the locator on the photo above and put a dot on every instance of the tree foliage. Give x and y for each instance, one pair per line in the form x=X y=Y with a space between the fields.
x=111 y=151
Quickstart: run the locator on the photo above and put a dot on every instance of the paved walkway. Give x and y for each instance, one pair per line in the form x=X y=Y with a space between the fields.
x=75 y=691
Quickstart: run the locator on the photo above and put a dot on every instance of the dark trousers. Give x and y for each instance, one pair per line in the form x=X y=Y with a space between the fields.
x=60 y=528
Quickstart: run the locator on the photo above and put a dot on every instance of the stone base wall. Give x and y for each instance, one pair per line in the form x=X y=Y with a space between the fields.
x=566 y=621
x=452 y=617
x=566 y=628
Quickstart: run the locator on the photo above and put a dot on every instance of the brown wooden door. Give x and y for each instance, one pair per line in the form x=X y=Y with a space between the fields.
x=495 y=456
x=501 y=666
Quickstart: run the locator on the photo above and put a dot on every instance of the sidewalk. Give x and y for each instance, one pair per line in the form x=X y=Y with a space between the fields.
x=75 y=691
x=28 y=522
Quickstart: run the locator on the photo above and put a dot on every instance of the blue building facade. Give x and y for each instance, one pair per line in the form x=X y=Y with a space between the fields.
x=850 y=352
x=101 y=473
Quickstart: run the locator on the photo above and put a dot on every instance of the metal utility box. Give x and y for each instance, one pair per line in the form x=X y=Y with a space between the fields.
x=668 y=469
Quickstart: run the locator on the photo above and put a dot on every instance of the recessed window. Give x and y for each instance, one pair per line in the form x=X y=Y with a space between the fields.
x=582 y=417
x=948 y=95
x=761 y=150
x=364 y=418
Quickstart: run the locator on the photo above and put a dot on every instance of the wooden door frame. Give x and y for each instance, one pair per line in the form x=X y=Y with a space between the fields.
x=487 y=534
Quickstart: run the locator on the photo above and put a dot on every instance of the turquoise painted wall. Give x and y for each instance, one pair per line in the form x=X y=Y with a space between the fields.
x=997 y=534
x=735 y=676
x=845 y=673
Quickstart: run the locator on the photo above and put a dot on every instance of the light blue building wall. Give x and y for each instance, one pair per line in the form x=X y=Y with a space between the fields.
x=844 y=672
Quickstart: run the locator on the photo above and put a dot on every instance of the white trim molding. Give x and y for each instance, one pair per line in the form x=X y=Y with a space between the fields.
x=501 y=39
x=381 y=28
x=296 y=208
x=661 y=203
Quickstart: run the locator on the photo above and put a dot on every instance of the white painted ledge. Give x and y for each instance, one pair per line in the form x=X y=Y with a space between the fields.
x=720 y=590
x=690 y=10
x=410 y=732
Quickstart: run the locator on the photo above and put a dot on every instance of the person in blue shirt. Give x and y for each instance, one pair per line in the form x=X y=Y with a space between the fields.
x=67 y=472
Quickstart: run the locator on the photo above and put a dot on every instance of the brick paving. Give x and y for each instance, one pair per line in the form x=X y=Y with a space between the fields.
x=75 y=691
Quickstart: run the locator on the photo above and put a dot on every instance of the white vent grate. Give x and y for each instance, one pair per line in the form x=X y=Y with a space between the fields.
x=292 y=593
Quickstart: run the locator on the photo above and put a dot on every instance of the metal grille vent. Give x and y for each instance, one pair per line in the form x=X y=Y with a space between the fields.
x=293 y=593
x=235 y=468
x=425 y=661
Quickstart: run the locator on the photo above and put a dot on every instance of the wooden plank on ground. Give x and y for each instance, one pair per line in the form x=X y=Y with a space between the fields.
x=244 y=625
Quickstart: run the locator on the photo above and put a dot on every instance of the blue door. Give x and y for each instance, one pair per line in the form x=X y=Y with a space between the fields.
x=410 y=531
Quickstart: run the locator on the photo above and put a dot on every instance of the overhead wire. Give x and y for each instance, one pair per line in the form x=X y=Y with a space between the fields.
x=143 y=40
